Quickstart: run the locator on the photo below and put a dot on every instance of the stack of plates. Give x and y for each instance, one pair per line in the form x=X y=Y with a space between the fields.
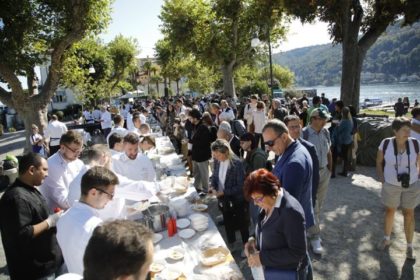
x=181 y=206
x=199 y=222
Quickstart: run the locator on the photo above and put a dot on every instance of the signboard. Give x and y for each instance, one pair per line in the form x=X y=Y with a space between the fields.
x=277 y=93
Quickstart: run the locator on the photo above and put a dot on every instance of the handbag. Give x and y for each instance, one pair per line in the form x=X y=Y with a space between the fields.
x=252 y=127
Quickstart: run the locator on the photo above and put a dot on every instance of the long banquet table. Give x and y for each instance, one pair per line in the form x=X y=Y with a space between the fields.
x=190 y=265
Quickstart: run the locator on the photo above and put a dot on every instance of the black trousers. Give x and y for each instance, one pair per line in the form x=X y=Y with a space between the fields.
x=236 y=217
x=346 y=156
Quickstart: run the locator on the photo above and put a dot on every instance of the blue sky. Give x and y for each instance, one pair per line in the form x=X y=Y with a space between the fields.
x=139 y=19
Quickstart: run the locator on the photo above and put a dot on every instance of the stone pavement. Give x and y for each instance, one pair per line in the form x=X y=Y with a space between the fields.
x=351 y=228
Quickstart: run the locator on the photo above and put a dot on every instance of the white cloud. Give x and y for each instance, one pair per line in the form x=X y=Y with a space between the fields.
x=305 y=35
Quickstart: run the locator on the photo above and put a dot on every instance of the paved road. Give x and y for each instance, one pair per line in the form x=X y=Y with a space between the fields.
x=352 y=225
x=10 y=143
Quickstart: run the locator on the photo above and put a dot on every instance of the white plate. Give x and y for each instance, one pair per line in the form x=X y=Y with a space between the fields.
x=168 y=274
x=199 y=207
x=186 y=233
x=157 y=266
x=182 y=223
x=176 y=254
x=157 y=237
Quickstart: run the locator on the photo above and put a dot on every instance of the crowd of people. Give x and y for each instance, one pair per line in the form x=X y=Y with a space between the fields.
x=49 y=223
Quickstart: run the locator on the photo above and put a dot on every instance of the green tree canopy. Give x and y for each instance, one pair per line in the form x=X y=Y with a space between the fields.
x=219 y=32
x=112 y=62
x=37 y=31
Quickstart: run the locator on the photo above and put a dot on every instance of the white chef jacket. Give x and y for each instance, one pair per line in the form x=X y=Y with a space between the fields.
x=61 y=173
x=129 y=121
x=74 y=230
x=54 y=131
x=117 y=129
x=106 y=120
x=127 y=189
x=139 y=169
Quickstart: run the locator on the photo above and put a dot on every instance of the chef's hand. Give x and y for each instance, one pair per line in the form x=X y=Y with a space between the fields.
x=249 y=247
x=219 y=194
x=53 y=218
x=254 y=260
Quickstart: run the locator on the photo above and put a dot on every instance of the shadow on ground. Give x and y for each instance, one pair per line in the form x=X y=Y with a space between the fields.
x=351 y=229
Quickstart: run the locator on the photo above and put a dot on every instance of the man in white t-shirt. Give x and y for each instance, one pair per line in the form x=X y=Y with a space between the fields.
x=76 y=225
x=133 y=164
x=106 y=121
x=53 y=133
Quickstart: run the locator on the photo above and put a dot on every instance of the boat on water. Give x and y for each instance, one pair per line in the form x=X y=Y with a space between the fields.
x=371 y=102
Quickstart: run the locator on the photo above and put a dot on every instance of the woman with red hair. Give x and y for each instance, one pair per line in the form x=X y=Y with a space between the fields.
x=280 y=242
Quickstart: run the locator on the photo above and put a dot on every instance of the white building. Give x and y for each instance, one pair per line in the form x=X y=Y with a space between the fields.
x=62 y=97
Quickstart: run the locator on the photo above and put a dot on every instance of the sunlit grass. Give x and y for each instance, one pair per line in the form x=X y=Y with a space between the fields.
x=377 y=112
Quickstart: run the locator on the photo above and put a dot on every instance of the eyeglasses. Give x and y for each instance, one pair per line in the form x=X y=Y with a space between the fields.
x=272 y=142
x=73 y=151
x=110 y=195
x=258 y=199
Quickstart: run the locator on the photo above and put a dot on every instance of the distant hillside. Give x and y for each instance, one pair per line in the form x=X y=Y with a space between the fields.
x=395 y=57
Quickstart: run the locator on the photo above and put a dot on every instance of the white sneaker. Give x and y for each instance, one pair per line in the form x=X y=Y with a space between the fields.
x=316 y=246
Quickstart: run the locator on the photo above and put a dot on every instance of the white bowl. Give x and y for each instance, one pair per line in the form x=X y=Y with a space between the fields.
x=199 y=207
x=198 y=217
x=201 y=228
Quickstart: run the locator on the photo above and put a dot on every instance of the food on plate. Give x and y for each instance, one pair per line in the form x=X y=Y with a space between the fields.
x=156 y=267
x=199 y=207
x=214 y=256
x=176 y=254
x=169 y=274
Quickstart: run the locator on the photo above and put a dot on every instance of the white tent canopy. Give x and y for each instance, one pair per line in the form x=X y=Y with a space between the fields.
x=134 y=94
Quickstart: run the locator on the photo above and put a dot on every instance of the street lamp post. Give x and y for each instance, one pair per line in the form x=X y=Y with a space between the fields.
x=255 y=42
x=271 y=64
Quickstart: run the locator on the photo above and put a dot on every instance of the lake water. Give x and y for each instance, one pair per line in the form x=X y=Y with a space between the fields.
x=388 y=93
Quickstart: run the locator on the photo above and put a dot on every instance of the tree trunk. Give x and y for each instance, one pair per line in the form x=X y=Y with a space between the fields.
x=355 y=49
x=177 y=87
x=31 y=116
x=352 y=64
x=228 y=81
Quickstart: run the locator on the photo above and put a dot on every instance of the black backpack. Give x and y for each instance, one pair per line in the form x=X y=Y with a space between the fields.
x=386 y=143
x=237 y=128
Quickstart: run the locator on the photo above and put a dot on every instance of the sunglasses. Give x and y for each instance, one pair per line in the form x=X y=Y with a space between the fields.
x=258 y=199
x=110 y=195
x=271 y=143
